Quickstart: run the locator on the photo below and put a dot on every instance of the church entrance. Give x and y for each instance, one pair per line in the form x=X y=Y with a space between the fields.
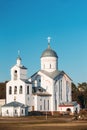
x=32 y=108
x=68 y=110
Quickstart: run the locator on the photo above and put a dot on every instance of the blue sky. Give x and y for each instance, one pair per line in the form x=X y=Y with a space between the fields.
x=25 y=26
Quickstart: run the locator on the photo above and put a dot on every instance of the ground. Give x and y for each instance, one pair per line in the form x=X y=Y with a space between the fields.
x=42 y=123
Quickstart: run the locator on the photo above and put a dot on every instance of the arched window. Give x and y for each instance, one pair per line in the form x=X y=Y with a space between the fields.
x=22 y=111
x=60 y=89
x=27 y=89
x=67 y=91
x=10 y=90
x=7 y=112
x=15 y=75
x=50 y=66
x=15 y=90
x=21 y=90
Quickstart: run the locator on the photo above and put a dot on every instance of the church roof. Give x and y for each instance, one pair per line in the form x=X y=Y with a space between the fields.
x=53 y=74
x=14 y=104
x=49 y=53
x=42 y=94
x=26 y=81
x=23 y=67
x=67 y=104
x=40 y=91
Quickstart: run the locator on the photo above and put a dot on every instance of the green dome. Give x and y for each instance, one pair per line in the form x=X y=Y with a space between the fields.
x=49 y=53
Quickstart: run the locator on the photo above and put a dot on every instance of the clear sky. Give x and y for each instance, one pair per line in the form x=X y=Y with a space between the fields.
x=25 y=26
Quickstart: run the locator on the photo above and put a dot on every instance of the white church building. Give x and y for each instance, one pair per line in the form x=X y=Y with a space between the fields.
x=47 y=90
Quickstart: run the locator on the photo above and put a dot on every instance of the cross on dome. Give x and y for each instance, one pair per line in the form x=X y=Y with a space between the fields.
x=18 y=53
x=49 y=38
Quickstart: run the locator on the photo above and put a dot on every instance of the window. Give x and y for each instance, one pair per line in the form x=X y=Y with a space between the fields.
x=15 y=90
x=39 y=80
x=50 y=66
x=44 y=105
x=60 y=89
x=48 y=104
x=15 y=111
x=15 y=75
x=67 y=90
x=21 y=90
x=10 y=90
x=7 y=112
x=40 y=107
x=27 y=89
x=22 y=111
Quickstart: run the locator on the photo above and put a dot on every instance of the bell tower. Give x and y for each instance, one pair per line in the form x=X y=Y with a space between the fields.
x=18 y=71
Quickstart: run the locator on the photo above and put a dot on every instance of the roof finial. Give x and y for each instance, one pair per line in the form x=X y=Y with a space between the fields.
x=49 y=38
x=18 y=53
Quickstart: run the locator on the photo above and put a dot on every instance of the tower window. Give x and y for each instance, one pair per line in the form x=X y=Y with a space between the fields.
x=10 y=90
x=27 y=89
x=15 y=90
x=21 y=90
x=15 y=75
x=15 y=71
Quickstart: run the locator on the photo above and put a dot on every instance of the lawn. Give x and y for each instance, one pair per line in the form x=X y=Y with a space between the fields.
x=40 y=123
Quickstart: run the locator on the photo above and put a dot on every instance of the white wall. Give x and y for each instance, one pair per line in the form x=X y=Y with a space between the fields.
x=11 y=111
x=2 y=102
x=49 y=64
x=73 y=108
x=22 y=98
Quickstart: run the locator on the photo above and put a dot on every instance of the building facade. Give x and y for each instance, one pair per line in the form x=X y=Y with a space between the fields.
x=47 y=90
x=18 y=92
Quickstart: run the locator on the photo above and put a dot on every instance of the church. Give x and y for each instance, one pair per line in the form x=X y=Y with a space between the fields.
x=47 y=90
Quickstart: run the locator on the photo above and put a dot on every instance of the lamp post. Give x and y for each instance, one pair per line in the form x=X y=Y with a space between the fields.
x=46 y=114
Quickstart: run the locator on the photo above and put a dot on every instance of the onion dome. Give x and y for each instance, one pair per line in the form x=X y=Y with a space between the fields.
x=49 y=52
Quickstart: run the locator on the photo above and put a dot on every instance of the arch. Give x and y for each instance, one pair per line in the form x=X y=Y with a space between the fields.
x=15 y=74
x=27 y=89
x=21 y=89
x=68 y=110
x=10 y=90
x=15 y=90
x=50 y=66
